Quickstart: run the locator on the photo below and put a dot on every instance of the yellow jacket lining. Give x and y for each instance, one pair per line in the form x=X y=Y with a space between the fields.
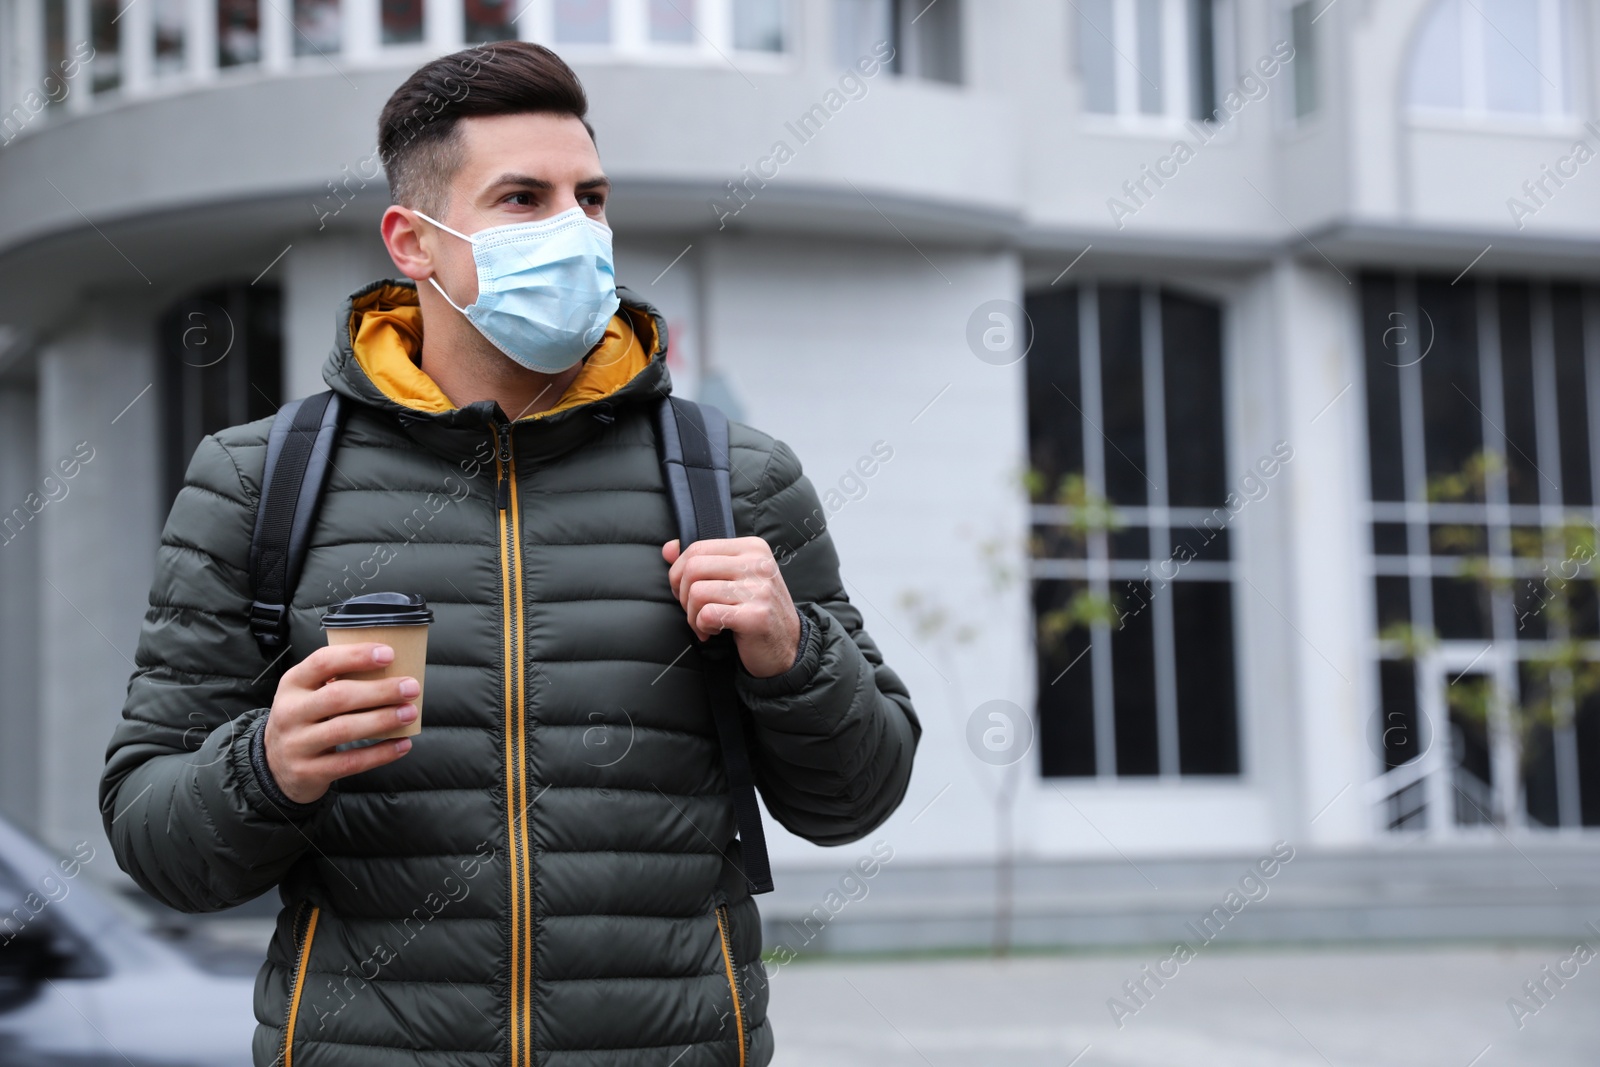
x=386 y=337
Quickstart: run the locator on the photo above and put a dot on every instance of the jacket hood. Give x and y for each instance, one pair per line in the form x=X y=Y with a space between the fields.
x=378 y=345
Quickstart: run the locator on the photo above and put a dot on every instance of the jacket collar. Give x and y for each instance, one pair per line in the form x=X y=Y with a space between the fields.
x=379 y=341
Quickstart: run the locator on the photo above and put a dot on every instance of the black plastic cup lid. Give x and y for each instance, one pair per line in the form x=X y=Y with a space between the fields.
x=380 y=609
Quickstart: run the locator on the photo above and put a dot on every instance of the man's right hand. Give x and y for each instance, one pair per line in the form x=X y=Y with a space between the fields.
x=315 y=710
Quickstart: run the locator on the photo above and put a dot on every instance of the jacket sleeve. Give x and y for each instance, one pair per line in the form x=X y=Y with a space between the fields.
x=180 y=797
x=833 y=736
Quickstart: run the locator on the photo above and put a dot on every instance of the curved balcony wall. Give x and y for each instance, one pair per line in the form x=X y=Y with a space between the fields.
x=228 y=126
x=234 y=158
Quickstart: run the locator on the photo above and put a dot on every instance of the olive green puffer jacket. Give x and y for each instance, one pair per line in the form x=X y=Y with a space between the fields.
x=550 y=875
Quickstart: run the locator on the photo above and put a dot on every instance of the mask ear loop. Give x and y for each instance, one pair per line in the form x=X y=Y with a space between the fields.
x=441 y=225
x=447 y=299
x=431 y=279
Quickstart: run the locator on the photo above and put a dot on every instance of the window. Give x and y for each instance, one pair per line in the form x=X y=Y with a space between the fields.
x=238 y=32
x=105 y=68
x=1482 y=405
x=692 y=29
x=488 y=20
x=1302 y=35
x=1132 y=569
x=168 y=18
x=1507 y=58
x=930 y=40
x=758 y=25
x=926 y=37
x=1149 y=57
x=400 y=21
x=316 y=27
x=222 y=364
x=55 y=42
x=858 y=25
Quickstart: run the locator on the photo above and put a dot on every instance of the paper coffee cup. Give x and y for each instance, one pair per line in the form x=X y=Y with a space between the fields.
x=399 y=620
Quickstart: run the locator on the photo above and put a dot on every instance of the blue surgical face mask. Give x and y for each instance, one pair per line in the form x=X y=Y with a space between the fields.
x=546 y=289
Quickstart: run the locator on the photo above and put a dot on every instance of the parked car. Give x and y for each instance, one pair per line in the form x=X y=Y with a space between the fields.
x=90 y=979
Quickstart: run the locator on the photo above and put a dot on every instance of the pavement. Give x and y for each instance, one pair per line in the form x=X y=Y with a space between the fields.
x=1346 y=1006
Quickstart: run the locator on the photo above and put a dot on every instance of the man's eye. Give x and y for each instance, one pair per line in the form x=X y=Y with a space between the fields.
x=521 y=199
x=594 y=200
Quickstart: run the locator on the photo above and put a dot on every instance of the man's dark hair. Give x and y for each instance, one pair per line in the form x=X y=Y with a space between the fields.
x=417 y=137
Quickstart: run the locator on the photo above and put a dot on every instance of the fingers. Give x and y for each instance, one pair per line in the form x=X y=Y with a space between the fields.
x=728 y=568
x=337 y=765
x=705 y=590
x=729 y=584
x=737 y=558
x=716 y=617
x=332 y=660
x=726 y=547
x=344 y=695
x=714 y=606
x=702 y=594
x=353 y=726
x=302 y=759
x=316 y=710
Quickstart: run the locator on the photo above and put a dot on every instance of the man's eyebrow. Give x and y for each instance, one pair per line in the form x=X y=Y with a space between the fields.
x=525 y=180
x=528 y=181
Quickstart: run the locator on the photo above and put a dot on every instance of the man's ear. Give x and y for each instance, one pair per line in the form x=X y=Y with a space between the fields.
x=402 y=236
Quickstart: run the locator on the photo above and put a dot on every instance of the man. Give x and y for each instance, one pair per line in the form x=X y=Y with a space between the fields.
x=549 y=874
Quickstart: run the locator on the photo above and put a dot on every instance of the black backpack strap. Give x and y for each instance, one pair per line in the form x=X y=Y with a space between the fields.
x=694 y=460
x=299 y=455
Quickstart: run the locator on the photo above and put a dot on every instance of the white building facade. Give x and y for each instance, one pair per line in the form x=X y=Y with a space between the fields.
x=1203 y=391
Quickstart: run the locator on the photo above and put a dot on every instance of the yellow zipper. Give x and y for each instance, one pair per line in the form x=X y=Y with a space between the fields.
x=733 y=982
x=516 y=755
x=302 y=956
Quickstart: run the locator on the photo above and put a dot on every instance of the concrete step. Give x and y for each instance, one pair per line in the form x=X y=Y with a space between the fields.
x=1416 y=890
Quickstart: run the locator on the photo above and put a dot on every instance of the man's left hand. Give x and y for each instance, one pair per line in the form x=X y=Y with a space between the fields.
x=734 y=584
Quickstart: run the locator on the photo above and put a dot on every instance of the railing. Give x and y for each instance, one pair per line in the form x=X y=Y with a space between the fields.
x=67 y=55
x=1401 y=796
x=1435 y=796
